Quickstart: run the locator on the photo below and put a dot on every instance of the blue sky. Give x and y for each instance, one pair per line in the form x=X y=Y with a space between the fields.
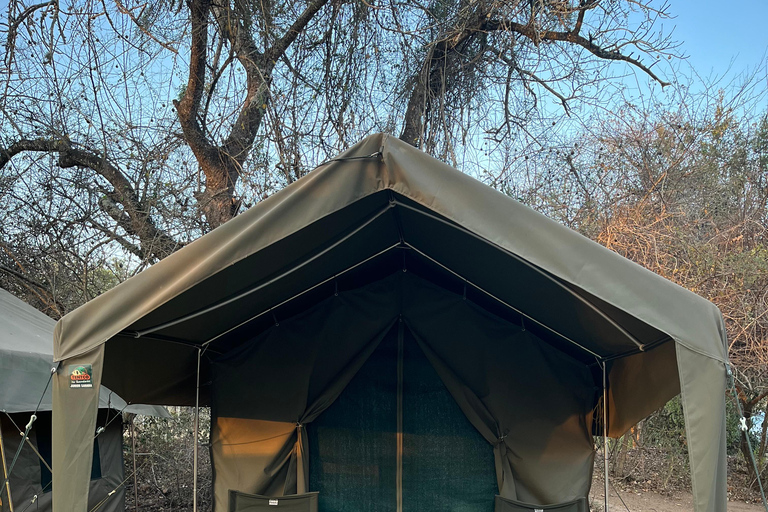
x=725 y=45
x=718 y=36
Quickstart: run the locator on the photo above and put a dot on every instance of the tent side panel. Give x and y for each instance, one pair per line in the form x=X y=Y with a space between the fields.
x=112 y=469
x=22 y=378
x=244 y=453
x=703 y=387
x=531 y=402
x=74 y=425
x=25 y=477
x=640 y=384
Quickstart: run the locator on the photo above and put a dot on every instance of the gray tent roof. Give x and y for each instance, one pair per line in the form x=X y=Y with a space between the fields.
x=26 y=357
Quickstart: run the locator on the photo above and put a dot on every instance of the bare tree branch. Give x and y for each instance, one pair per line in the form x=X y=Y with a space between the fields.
x=133 y=218
x=222 y=164
x=572 y=37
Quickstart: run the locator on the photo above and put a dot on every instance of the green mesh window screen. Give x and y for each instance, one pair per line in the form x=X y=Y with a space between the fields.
x=352 y=448
x=447 y=465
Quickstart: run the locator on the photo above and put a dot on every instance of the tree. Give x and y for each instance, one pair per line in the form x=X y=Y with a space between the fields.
x=682 y=191
x=131 y=128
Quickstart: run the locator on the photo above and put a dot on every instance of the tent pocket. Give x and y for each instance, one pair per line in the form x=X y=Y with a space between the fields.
x=242 y=502
x=507 y=505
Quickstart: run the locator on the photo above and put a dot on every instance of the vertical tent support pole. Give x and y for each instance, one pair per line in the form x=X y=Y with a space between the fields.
x=197 y=425
x=5 y=473
x=135 y=477
x=605 y=436
x=399 y=475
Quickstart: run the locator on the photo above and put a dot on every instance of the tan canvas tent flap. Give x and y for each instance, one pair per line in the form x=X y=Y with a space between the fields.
x=493 y=369
x=378 y=205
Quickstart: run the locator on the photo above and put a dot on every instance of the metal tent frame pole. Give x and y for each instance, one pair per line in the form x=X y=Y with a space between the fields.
x=254 y=289
x=197 y=426
x=605 y=435
x=5 y=472
x=135 y=478
x=531 y=266
x=640 y=347
x=393 y=203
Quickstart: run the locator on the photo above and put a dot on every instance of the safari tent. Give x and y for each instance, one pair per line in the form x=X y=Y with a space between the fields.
x=26 y=359
x=392 y=334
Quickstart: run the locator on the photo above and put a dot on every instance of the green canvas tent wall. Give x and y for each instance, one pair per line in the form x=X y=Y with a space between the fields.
x=26 y=358
x=328 y=320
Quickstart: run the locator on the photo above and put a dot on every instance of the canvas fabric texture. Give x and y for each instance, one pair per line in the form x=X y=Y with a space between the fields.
x=507 y=505
x=26 y=359
x=380 y=194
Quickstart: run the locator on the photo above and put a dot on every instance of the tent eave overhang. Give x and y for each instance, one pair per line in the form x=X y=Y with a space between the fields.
x=353 y=197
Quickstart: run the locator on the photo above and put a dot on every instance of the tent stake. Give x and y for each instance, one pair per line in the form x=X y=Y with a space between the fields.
x=5 y=472
x=197 y=425
x=605 y=436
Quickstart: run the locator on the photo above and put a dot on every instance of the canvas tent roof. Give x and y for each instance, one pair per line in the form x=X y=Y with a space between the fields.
x=383 y=206
x=26 y=357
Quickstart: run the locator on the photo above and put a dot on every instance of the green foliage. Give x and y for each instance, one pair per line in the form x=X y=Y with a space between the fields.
x=666 y=428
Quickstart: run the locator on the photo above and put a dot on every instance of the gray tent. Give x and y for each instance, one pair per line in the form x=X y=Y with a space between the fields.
x=26 y=357
x=395 y=335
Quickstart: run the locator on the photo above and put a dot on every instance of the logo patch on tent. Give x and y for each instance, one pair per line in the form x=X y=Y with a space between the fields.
x=80 y=376
x=273 y=502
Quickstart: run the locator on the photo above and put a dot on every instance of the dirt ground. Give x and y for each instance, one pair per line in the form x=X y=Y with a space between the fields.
x=655 y=482
x=652 y=501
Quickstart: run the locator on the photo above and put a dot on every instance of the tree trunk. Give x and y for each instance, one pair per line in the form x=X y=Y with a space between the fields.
x=221 y=164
